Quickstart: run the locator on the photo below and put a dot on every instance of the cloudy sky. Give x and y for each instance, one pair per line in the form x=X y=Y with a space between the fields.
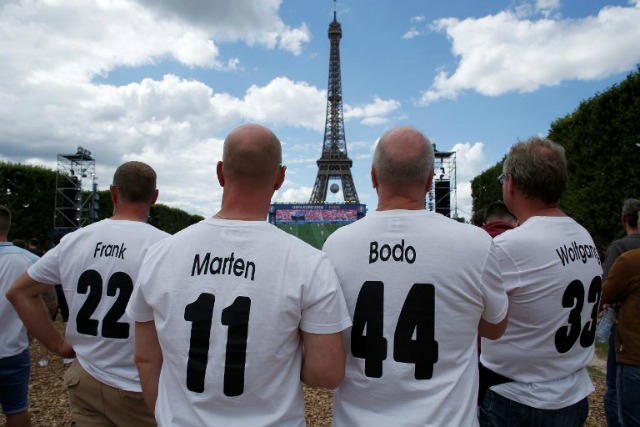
x=164 y=81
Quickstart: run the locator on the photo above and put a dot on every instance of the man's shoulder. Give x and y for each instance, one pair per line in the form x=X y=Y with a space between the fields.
x=16 y=252
x=632 y=255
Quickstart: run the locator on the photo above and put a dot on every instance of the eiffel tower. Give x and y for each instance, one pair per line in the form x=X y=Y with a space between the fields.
x=334 y=163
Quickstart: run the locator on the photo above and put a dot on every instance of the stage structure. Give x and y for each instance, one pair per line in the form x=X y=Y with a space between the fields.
x=334 y=164
x=443 y=194
x=76 y=198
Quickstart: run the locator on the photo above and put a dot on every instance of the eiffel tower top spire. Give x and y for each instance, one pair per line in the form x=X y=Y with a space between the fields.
x=334 y=162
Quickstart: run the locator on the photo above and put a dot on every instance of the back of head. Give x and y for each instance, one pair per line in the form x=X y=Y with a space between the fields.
x=34 y=242
x=251 y=155
x=630 y=210
x=478 y=217
x=403 y=157
x=498 y=211
x=136 y=182
x=5 y=221
x=538 y=167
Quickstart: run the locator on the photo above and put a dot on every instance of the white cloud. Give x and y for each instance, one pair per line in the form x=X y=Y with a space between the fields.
x=293 y=194
x=470 y=162
x=412 y=33
x=502 y=53
x=374 y=113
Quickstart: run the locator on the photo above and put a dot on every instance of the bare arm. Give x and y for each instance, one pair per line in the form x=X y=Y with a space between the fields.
x=148 y=360
x=323 y=360
x=493 y=331
x=25 y=295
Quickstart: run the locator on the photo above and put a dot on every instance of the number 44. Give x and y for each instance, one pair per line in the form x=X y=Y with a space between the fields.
x=417 y=315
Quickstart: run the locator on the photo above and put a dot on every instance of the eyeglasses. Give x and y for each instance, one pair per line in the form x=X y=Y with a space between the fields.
x=501 y=179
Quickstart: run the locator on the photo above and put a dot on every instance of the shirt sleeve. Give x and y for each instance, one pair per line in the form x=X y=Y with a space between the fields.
x=47 y=269
x=495 y=298
x=138 y=309
x=324 y=308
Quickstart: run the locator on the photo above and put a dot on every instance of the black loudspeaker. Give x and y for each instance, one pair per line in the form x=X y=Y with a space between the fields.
x=443 y=203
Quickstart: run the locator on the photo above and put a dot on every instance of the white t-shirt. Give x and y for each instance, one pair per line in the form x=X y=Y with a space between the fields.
x=228 y=299
x=552 y=273
x=13 y=335
x=416 y=284
x=97 y=266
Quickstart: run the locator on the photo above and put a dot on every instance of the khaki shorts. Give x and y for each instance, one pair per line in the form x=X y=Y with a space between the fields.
x=94 y=404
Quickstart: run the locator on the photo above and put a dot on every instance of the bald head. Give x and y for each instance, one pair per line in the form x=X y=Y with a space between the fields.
x=251 y=153
x=403 y=156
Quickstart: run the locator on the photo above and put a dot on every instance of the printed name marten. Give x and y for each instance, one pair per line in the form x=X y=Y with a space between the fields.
x=218 y=265
x=116 y=251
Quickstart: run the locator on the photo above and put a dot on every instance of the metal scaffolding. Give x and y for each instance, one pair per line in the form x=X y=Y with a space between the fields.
x=76 y=198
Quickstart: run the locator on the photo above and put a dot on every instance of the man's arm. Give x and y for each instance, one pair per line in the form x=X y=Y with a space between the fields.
x=493 y=331
x=323 y=360
x=148 y=360
x=25 y=295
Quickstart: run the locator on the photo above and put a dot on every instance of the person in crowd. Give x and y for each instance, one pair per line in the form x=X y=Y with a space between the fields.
x=33 y=246
x=631 y=240
x=419 y=286
x=15 y=364
x=97 y=266
x=536 y=372
x=231 y=313
x=477 y=218
x=622 y=286
x=498 y=219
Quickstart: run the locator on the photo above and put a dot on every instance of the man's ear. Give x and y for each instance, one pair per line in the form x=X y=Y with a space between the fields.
x=114 y=194
x=220 y=173
x=280 y=178
x=430 y=180
x=374 y=178
x=155 y=197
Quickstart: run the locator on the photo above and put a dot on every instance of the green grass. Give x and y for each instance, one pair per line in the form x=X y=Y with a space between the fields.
x=314 y=234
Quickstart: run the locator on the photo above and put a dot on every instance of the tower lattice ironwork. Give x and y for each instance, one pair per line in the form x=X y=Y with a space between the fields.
x=334 y=164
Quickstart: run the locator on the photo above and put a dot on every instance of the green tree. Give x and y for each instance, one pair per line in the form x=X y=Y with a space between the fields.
x=29 y=192
x=602 y=138
x=485 y=188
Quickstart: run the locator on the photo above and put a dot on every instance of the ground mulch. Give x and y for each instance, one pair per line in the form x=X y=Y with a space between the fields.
x=49 y=407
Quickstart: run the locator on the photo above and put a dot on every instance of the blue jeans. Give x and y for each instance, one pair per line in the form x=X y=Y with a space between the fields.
x=628 y=384
x=497 y=411
x=610 y=399
x=14 y=383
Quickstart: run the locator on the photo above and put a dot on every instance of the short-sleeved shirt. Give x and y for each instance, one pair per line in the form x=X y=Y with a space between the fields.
x=97 y=266
x=416 y=284
x=229 y=299
x=13 y=335
x=552 y=273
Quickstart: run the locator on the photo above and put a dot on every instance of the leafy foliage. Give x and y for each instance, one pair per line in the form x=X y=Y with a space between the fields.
x=602 y=141
x=29 y=192
x=600 y=138
x=485 y=188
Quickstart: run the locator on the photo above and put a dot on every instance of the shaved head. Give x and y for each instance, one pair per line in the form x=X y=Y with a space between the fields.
x=403 y=156
x=251 y=153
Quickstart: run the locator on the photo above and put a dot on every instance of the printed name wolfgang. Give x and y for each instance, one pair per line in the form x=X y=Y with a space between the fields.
x=575 y=252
